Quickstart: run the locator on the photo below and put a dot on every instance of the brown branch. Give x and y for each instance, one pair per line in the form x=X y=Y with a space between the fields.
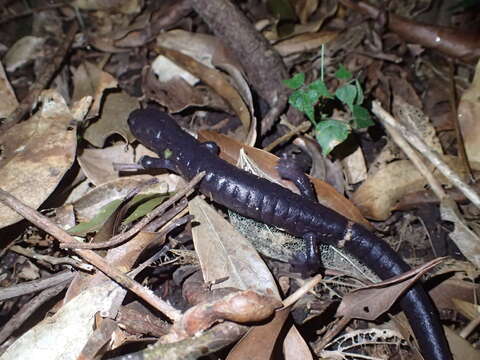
x=42 y=82
x=35 y=285
x=61 y=235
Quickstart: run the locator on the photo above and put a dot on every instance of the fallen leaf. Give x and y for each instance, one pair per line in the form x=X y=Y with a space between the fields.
x=369 y=302
x=8 y=100
x=36 y=154
x=113 y=120
x=225 y=254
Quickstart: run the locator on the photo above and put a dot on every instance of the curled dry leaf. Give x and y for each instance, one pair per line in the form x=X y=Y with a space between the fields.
x=326 y=194
x=377 y=196
x=27 y=49
x=304 y=42
x=36 y=154
x=209 y=53
x=370 y=302
x=242 y=307
x=469 y=119
x=8 y=100
x=116 y=108
x=90 y=80
x=224 y=253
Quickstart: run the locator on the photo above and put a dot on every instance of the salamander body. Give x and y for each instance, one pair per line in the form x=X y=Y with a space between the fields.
x=272 y=204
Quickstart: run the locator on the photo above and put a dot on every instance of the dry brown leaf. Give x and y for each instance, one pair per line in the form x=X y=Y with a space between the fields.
x=8 y=100
x=219 y=82
x=377 y=196
x=90 y=80
x=259 y=342
x=304 y=42
x=305 y=8
x=36 y=154
x=175 y=92
x=326 y=194
x=369 y=302
x=469 y=119
x=97 y=164
x=460 y=347
x=25 y=50
x=225 y=254
x=116 y=108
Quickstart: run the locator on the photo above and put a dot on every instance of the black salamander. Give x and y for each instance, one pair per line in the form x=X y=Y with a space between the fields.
x=262 y=200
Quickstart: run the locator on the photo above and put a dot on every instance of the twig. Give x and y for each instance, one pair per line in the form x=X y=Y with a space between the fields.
x=61 y=235
x=420 y=145
x=24 y=313
x=35 y=285
x=42 y=82
x=50 y=259
x=118 y=239
x=304 y=126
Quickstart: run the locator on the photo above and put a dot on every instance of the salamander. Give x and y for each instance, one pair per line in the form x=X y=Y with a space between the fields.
x=298 y=215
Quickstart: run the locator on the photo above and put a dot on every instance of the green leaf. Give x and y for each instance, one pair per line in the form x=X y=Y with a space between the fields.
x=347 y=94
x=296 y=81
x=360 y=98
x=302 y=100
x=361 y=117
x=330 y=133
x=145 y=207
x=320 y=88
x=342 y=73
x=97 y=221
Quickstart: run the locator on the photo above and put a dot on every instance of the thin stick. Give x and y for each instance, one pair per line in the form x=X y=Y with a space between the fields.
x=118 y=239
x=61 y=235
x=35 y=285
x=420 y=145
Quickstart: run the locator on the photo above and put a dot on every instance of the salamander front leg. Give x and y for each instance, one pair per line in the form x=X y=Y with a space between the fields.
x=148 y=162
x=308 y=262
x=288 y=170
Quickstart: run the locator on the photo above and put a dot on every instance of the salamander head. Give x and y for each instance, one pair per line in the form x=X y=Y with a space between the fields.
x=154 y=128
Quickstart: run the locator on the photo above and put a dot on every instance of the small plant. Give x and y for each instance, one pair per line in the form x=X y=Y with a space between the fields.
x=330 y=132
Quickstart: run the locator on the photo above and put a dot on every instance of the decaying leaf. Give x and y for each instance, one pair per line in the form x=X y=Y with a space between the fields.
x=113 y=119
x=370 y=302
x=36 y=154
x=469 y=119
x=225 y=254
x=8 y=100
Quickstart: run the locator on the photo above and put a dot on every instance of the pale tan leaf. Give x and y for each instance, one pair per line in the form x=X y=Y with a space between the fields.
x=36 y=154
x=225 y=253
